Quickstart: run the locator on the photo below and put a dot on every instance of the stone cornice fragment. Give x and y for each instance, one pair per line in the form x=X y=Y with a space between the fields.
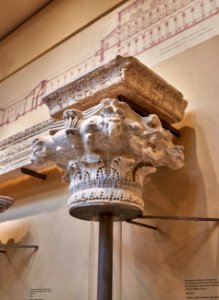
x=123 y=77
x=15 y=151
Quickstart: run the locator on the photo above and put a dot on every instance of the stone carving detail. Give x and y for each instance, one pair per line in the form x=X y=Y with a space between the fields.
x=126 y=77
x=15 y=151
x=107 y=152
x=5 y=203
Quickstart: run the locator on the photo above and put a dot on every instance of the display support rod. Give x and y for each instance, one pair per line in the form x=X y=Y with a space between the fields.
x=33 y=173
x=105 y=257
x=18 y=246
x=142 y=225
x=174 y=218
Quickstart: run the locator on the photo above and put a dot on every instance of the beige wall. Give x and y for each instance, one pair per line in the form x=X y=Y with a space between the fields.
x=52 y=25
x=40 y=218
x=154 y=264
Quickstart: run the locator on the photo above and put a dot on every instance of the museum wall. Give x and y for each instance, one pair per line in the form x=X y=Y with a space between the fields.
x=179 y=261
x=159 y=265
x=59 y=20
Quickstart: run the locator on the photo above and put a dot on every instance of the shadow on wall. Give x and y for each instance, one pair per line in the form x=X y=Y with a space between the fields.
x=179 y=250
x=15 y=263
x=34 y=196
x=172 y=191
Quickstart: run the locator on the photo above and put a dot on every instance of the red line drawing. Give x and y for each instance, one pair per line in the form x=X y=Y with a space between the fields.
x=138 y=29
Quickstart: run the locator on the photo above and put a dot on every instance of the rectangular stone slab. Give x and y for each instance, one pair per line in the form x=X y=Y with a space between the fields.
x=126 y=77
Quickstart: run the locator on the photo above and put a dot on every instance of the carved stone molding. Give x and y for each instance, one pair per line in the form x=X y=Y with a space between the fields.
x=107 y=152
x=15 y=151
x=5 y=203
x=126 y=77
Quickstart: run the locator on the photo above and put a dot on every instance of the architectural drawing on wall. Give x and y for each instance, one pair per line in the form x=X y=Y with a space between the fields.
x=139 y=28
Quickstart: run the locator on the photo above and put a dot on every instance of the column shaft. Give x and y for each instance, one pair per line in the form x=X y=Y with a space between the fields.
x=105 y=259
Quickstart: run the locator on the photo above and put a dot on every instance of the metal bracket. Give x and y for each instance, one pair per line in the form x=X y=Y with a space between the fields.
x=142 y=225
x=172 y=129
x=170 y=218
x=5 y=247
x=175 y=218
x=32 y=173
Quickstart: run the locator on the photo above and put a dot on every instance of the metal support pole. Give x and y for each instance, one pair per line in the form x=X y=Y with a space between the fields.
x=105 y=259
x=18 y=246
x=142 y=225
x=174 y=218
x=32 y=173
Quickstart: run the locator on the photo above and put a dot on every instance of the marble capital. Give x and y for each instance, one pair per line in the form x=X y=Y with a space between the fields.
x=107 y=152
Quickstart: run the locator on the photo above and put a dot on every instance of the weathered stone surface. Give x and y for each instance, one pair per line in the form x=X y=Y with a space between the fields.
x=107 y=152
x=15 y=151
x=106 y=149
x=126 y=77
